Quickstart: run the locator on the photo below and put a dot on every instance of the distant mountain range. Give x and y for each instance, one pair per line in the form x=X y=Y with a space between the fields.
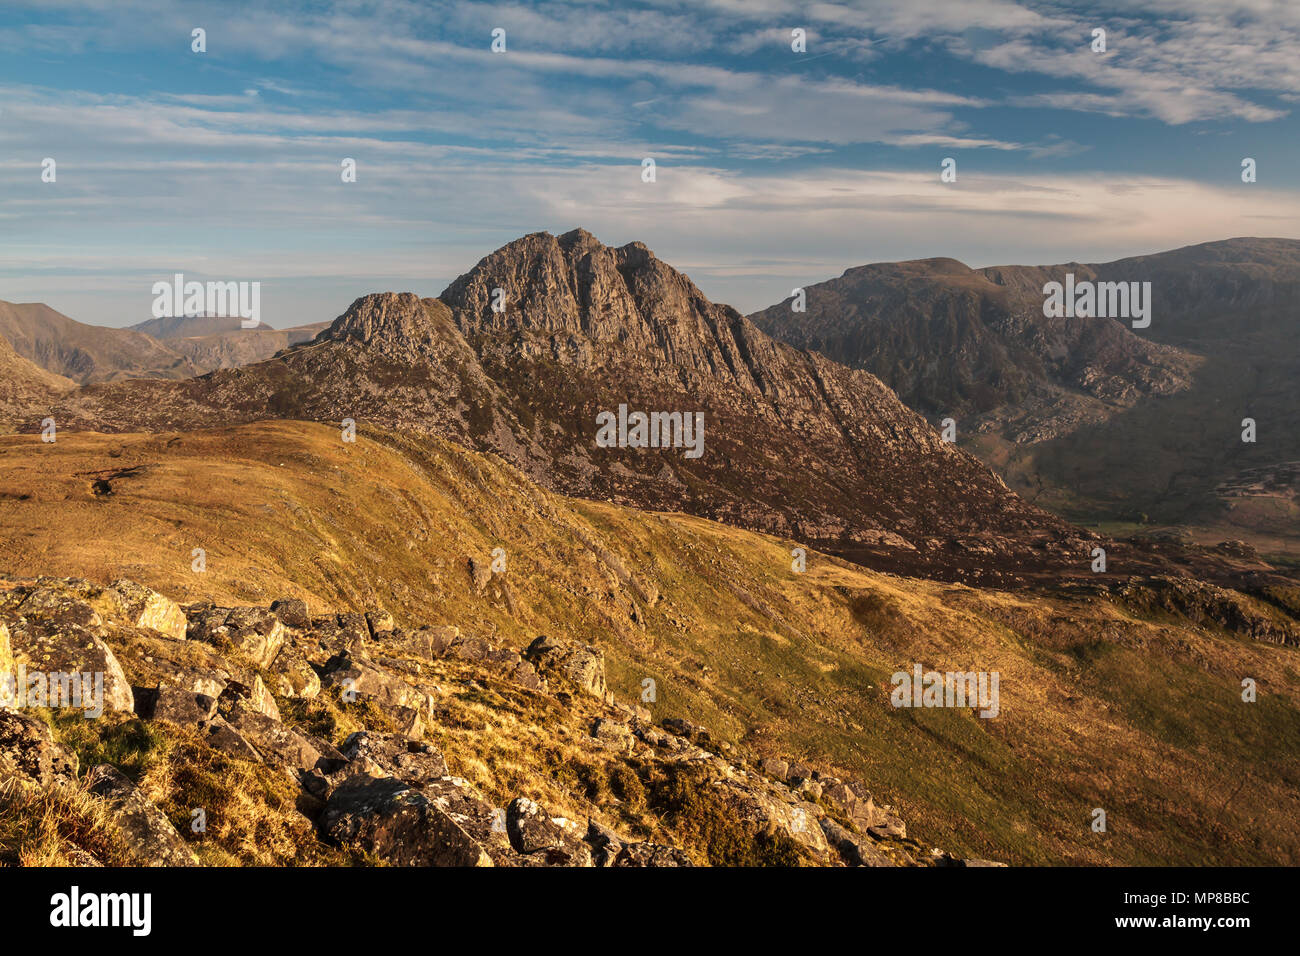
x=1088 y=416
x=188 y=326
x=169 y=348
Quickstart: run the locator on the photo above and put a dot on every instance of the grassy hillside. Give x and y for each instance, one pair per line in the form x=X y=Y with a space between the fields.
x=1103 y=703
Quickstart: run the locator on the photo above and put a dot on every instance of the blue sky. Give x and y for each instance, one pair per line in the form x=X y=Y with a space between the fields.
x=774 y=168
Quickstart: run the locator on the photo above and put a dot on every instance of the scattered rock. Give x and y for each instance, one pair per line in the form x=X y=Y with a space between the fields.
x=580 y=664
x=613 y=735
x=533 y=831
x=152 y=839
x=295 y=675
x=73 y=649
x=292 y=612
x=345 y=674
x=249 y=689
x=177 y=705
x=854 y=850
x=29 y=753
x=411 y=761
x=255 y=633
x=146 y=608
x=398 y=824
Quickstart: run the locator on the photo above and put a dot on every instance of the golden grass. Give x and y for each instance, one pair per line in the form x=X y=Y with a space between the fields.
x=1099 y=708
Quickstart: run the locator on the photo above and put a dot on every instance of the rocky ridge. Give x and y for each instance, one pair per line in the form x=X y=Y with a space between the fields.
x=340 y=713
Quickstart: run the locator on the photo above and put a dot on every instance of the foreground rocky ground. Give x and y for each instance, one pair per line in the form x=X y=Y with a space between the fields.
x=278 y=736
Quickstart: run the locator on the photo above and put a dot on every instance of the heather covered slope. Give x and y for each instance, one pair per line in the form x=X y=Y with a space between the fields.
x=1123 y=694
x=1088 y=417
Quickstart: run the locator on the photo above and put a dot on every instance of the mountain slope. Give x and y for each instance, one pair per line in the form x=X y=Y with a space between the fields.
x=1087 y=416
x=86 y=353
x=189 y=326
x=975 y=345
x=231 y=349
x=1119 y=695
x=24 y=384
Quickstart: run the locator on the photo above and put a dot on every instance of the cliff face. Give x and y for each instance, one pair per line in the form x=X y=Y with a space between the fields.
x=975 y=345
x=1089 y=416
x=796 y=444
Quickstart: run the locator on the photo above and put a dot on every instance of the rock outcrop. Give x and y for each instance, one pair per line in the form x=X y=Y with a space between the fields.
x=387 y=792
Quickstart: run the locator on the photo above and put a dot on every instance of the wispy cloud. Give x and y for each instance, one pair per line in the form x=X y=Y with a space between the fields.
x=772 y=166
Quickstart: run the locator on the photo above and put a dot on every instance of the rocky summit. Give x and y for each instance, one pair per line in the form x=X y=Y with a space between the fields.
x=285 y=734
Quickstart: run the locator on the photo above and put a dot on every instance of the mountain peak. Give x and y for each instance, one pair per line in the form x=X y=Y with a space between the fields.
x=579 y=291
x=395 y=322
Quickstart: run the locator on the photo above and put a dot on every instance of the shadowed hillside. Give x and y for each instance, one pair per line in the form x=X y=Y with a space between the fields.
x=1096 y=421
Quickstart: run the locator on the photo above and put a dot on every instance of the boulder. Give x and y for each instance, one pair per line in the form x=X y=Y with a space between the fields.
x=613 y=735
x=147 y=608
x=255 y=633
x=480 y=573
x=59 y=605
x=429 y=643
x=207 y=624
x=295 y=677
x=292 y=612
x=890 y=828
x=335 y=635
x=605 y=844
x=277 y=744
x=176 y=705
x=557 y=841
x=379 y=621
x=480 y=819
x=220 y=735
x=688 y=731
x=29 y=753
x=580 y=664
x=651 y=854
x=853 y=849
x=248 y=688
x=763 y=808
x=54 y=649
x=398 y=824
x=344 y=674
x=856 y=803
x=152 y=839
x=393 y=755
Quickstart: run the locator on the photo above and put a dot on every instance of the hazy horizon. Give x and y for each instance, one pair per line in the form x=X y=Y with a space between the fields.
x=774 y=168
